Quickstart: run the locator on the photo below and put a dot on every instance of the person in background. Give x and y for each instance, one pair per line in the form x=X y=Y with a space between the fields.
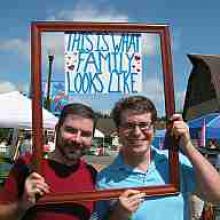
x=3 y=147
x=196 y=207
x=212 y=144
x=141 y=164
x=64 y=171
x=26 y=145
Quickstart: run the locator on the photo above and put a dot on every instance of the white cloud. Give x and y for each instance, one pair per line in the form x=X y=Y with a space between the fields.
x=6 y=86
x=24 y=87
x=85 y=11
x=153 y=88
x=149 y=44
x=16 y=45
x=180 y=99
x=53 y=43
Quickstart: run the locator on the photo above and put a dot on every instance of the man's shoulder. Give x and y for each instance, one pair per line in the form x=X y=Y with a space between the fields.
x=24 y=160
x=112 y=169
x=164 y=154
x=93 y=172
x=91 y=169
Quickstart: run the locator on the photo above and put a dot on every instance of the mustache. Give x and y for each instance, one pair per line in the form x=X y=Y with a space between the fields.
x=69 y=143
x=72 y=145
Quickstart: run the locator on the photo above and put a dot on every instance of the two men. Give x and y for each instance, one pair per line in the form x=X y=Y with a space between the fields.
x=140 y=164
x=63 y=172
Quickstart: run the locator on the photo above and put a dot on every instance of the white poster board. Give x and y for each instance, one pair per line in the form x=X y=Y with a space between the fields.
x=103 y=63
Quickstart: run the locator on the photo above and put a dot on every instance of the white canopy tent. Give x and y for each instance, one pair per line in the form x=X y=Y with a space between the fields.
x=16 y=112
x=98 y=134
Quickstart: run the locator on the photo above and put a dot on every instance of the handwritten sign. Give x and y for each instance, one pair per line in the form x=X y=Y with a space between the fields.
x=103 y=63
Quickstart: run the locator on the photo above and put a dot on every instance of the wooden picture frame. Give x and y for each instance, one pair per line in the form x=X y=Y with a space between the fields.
x=37 y=28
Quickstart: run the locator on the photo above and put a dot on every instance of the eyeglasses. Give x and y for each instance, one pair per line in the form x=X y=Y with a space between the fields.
x=143 y=126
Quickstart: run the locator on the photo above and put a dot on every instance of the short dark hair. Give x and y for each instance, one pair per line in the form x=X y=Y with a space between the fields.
x=137 y=104
x=76 y=109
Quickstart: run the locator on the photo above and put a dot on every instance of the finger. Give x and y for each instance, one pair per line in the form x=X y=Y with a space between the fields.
x=33 y=184
x=176 y=117
x=180 y=130
x=35 y=175
x=42 y=187
x=137 y=196
x=135 y=200
x=179 y=124
x=133 y=205
x=38 y=192
x=129 y=193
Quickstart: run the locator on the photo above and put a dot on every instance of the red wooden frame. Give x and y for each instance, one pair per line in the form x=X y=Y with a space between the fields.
x=163 y=30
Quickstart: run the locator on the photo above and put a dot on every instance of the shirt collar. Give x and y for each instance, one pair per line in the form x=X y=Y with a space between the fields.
x=158 y=156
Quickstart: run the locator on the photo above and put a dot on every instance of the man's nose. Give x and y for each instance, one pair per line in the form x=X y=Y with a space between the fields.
x=77 y=136
x=137 y=130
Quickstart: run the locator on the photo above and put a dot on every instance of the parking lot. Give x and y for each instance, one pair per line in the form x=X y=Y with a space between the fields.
x=99 y=162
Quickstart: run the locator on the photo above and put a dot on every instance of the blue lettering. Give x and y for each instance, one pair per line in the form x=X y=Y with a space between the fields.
x=126 y=76
x=94 y=79
x=68 y=81
x=125 y=43
x=75 y=42
x=81 y=58
x=114 y=82
x=86 y=83
x=82 y=48
x=91 y=61
x=131 y=46
x=90 y=46
x=130 y=58
x=105 y=43
x=137 y=43
x=133 y=82
x=106 y=58
x=77 y=82
x=117 y=47
x=120 y=58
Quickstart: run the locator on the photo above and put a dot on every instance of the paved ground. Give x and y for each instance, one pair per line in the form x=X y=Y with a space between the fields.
x=99 y=162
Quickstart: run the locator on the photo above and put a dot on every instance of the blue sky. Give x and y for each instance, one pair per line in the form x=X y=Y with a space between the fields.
x=194 y=25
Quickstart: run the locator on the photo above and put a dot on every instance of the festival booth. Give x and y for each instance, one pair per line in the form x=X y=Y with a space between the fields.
x=207 y=125
x=206 y=130
x=159 y=138
x=16 y=112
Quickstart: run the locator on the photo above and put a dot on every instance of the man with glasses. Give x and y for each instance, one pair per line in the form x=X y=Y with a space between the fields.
x=62 y=172
x=140 y=164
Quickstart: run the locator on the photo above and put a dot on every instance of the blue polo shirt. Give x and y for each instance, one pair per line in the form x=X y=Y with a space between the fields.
x=120 y=175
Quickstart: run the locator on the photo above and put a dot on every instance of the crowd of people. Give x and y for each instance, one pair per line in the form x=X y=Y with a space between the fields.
x=137 y=164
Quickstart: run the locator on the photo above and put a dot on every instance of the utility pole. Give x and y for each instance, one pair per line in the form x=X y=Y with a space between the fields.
x=50 y=62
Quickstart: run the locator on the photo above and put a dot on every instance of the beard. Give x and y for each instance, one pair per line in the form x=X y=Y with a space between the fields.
x=70 y=150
